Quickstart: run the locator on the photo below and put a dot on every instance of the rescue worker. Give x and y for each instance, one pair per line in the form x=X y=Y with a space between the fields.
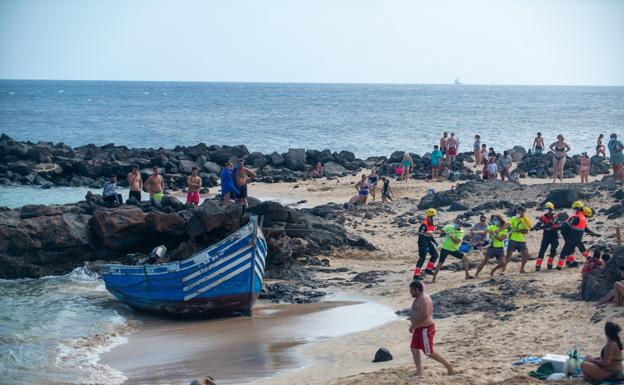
x=426 y=244
x=550 y=236
x=572 y=231
x=581 y=247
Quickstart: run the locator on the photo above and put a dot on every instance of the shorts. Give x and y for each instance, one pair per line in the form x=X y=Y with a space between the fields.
x=363 y=193
x=436 y=167
x=136 y=195
x=452 y=151
x=515 y=245
x=539 y=150
x=156 y=197
x=444 y=253
x=495 y=252
x=242 y=191
x=422 y=339
x=192 y=197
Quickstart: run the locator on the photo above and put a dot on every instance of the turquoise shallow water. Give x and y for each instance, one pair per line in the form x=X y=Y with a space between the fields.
x=17 y=196
x=368 y=119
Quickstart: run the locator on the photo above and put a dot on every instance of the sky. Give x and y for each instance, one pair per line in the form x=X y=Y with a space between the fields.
x=549 y=42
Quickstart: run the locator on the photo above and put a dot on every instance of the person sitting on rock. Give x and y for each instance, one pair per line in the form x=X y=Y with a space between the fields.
x=592 y=263
x=109 y=193
x=454 y=236
x=609 y=365
x=317 y=170
x=617 y=294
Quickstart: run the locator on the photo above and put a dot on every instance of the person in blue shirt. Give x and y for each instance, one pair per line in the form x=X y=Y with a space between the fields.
x=228 y=187
x=436 y=164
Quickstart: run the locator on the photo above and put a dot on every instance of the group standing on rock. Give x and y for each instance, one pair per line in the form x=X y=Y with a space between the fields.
x=505 y=238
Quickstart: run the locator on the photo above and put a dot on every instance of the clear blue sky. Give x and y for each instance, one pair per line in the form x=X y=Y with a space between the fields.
x=384 y=41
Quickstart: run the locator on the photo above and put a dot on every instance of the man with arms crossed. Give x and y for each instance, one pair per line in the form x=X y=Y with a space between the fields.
x=135 y=182
x=242 y=175
x=194 y=183
x=155 y=185
x=422 y=328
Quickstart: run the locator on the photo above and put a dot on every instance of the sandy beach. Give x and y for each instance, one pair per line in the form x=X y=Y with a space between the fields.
x=481 y=344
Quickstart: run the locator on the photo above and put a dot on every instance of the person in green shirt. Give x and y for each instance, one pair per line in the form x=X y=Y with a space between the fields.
x=497 y=230
x=519 y=226
x=453 y=238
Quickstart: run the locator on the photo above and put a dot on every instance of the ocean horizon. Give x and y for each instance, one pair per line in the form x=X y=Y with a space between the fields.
x=367 y=119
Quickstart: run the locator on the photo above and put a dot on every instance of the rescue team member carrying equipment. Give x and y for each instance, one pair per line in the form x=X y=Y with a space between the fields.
x=550 y=236
x=426 y=244
x=572 y=231
x=451 y=246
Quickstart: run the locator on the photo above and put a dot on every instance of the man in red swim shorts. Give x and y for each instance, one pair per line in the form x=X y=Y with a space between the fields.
x=422 y=328
x=194 y=183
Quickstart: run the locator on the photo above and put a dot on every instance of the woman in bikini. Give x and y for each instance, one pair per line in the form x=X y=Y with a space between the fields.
x=362 y=189
x=609 y=365
x=600 y=148
x=560 y=151
x=584 y=168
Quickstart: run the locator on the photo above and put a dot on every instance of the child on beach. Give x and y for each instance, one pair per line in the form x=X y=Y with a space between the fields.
x=492 y=169
x=386 y=191
x=423 y=328
x=584 y=169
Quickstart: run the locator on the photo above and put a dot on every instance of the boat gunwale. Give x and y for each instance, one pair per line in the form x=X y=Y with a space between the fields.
x=172 y=267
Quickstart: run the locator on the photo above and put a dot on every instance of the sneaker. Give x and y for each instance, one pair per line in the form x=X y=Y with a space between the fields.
x=428 y=272
x=558 y=267
x=417 y=278
x=538 y=268
x=573 y=264
x=550 y=267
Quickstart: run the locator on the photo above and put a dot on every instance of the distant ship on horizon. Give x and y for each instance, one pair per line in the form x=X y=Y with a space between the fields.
x=457 y=81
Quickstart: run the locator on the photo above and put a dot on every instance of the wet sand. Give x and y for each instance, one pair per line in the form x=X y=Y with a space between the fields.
x=240 y=350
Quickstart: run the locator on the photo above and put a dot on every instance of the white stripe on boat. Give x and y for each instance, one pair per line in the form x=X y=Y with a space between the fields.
x=203 y=270
x=258 y=274
x=214 y=274
x=218 y=281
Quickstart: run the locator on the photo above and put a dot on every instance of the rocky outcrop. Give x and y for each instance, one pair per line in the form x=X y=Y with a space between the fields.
x=40 y=240
x=599 y=282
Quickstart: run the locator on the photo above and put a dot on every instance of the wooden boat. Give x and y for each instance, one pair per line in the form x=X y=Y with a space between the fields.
x=225 y=278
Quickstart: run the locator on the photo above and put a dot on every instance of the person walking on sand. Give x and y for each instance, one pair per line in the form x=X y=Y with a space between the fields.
x=228 y=187
x=550 y=236
x=242 y=175
x=584 y=168
x=453 y=238
x=497 y=231
x=436 y=162
x=426 y=244
x=135 y=182
x=373 y=179
x=476 y=147
x=422 y=328
x=386 y=191
x=362 y=189
x=453 y=146
x=609 y=365
x=155 y=186
x=538 y=144
x=572 y=230
x=519 y=226
x=600 y=148
x=560 y=151
x=193 y=182
x=616 y=156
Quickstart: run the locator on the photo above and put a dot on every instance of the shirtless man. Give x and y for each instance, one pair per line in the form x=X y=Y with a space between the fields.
x=242 y=175
x=135 y=182
x=194 y=183
x=444 y=143
x=155 y=185
x=422 y=328
x=538 y=144
x=453 y=147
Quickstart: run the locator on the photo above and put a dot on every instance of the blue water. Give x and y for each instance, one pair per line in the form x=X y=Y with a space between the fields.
x=365 y=119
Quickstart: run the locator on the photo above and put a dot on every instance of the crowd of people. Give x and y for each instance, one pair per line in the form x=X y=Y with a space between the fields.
x=500 y=238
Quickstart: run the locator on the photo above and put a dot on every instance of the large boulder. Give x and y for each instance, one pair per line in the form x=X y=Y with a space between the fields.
x=598 y=283
x=47 y=169
x=186 y=166
x=276 y=159
x=228 y=153
x=517 y=153
x=122 y=228
x=212 y=168
x=437 y=200
x=21 y=167
x=333 y=169
x=165 y=223
x=295 y=159
x=563 y=198
x=274 y=212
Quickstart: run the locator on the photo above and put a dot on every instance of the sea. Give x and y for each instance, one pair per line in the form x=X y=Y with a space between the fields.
x=367 y=119
x=54 y=329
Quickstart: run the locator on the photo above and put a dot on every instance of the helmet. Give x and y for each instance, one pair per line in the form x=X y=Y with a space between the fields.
x=577 y=205
x=588 y=212
x=549 y=205
x=431 y=212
